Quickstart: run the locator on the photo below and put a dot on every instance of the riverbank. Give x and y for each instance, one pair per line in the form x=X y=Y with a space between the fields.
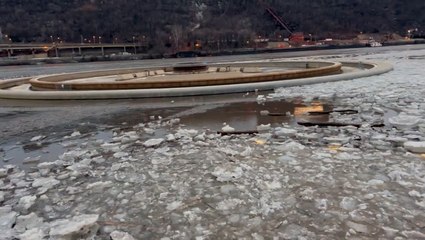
x=117 y=57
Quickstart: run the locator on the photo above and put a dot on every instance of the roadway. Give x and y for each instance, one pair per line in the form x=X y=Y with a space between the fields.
x=44 y=46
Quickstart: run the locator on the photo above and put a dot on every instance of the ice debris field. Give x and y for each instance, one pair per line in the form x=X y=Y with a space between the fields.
x=286 y=182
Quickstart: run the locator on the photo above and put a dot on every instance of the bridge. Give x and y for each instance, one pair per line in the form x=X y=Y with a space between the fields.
x=68 y=49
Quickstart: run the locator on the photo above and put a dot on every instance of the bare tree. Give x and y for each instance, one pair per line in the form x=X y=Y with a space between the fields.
x=177 y=35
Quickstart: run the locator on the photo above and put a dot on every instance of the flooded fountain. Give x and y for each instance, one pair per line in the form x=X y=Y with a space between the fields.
x=185 y=79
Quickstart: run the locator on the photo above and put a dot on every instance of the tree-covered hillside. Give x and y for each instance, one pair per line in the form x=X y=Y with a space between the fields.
x=173 y=22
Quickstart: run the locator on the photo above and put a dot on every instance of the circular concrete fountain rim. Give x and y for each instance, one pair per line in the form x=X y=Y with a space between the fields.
x=367 y=69
x=194 y=78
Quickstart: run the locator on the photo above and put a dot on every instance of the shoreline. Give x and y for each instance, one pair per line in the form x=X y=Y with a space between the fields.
x=234 y=52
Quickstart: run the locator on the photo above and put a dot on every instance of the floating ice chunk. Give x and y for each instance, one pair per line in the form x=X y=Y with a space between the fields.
x=416 y=147
x=273 y=185
x=79 y=167
x=404 y=121
x=70 y=156
x=225 y=174
x=114 y=147
x=341 y=140
x=264 y=113
x=3 y=172
x=227 y=129
x=153 y=142
x=321 y=204
x=307 y=193
x=285 y=132
x=83 y=226
x=186 y=133
x=149 y=131
x=396 y=139
x=161 y=161
x=247 y=152
x=264 y=127
x=228 y=151
x=31 y=160
x=375 y=182
x=46 y=165
x=261 y=99
x=229 y=204
x=175 y=121
x=76 y=134
x=378 y=110
x=397 y=175
x=33 y=234
x=413 y=234
x=290 y=146
x=69 y=144
x=360 y=228
x=7 y=218
x=227 y=189
x=170 y=137
x=293 y=231
x=414 y=193
x=45 y=182
x=414 y=137
x=257 y=236
x=347 y=156
x=117 y=235
x=369 y=196
x=25 y=203
x=420 y=203
x=99 y=186
x=348 y=203
x=286 y=159
x=120 y=154
x=29 y=221
x=390 y=232
x=200 y=137
x=379 y=137
x=37 y=138
x=174 y=205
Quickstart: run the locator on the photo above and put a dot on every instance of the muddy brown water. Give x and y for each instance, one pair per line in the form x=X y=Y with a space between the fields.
x=247 y=116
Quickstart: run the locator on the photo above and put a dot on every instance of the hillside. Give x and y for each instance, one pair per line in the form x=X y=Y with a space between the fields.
x=175 y=22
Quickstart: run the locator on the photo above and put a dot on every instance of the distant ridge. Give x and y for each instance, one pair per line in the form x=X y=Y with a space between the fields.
x=176 y=22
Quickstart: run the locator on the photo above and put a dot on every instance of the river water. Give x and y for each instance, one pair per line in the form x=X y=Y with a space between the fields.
x=157 y=169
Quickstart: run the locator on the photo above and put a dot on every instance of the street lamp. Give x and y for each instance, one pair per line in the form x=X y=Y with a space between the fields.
x=94 y=39
x=100 y=40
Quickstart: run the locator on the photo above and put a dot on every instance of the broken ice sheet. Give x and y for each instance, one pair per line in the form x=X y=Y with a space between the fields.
x=325 y=182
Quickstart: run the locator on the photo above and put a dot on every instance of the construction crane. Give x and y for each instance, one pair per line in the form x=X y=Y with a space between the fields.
x=278 y=19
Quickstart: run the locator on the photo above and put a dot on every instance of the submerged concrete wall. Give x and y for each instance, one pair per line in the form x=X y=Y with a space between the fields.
x=303 y=70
